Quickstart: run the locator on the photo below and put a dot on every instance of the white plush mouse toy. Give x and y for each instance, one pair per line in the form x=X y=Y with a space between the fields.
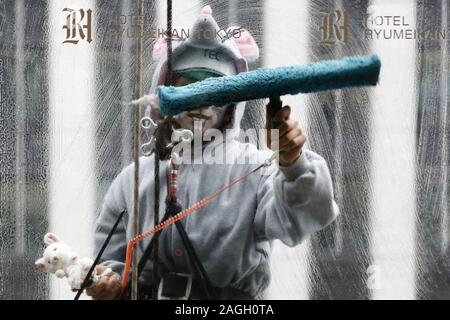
x=58 y=258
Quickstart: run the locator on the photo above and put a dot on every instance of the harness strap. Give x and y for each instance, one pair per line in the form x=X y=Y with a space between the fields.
x=171 y=220
x=199 y=270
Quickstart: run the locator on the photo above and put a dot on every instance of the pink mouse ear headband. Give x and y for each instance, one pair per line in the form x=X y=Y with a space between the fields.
x=245 y=43
x=239 y=36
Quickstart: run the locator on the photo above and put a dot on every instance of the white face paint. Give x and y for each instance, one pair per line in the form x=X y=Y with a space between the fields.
x=204 y=118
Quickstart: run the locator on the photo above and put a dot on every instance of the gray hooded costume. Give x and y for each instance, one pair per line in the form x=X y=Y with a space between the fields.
x=232 y=235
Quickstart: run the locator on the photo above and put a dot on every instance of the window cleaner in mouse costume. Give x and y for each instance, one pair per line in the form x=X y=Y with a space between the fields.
x=223 y=250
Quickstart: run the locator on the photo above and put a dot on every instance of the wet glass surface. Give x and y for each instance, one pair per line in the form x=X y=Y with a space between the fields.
x=65 y=135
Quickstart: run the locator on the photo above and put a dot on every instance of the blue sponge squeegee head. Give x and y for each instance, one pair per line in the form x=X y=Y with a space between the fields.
x=264 y=82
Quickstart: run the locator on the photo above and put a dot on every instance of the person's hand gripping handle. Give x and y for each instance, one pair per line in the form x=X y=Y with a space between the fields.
x=290 y=136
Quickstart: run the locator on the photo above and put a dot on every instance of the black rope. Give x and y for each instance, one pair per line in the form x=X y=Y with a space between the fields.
x=136 y=151
x=87 y=279
x=155 y=239
x=169 y=42
x=157 y=159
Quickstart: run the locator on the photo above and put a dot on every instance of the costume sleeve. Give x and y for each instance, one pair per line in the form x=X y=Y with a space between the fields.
x=295 y=201
x=113 y=205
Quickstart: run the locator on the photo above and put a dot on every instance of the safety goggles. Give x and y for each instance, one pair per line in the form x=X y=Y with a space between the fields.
x=185 y=77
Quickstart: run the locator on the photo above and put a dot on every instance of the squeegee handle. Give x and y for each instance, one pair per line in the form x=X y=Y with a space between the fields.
x=275 y=106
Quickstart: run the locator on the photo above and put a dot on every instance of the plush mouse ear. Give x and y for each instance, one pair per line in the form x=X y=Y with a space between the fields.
x=245 y=42
x=159 y=48
x=40 y=264
x=73 y=257
x=50 y=238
